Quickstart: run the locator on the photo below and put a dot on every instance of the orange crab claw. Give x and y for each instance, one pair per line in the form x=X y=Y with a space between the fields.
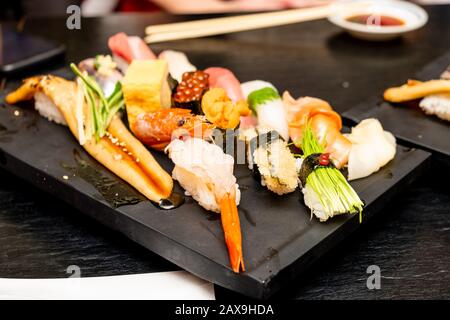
x=232 y=230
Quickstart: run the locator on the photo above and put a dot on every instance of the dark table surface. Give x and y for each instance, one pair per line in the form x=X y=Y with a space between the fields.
x=410 y=242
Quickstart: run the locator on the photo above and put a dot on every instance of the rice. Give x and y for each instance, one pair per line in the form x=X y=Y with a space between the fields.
x=446 y=74
x=46 y=108
x=277 y=167
x=438 y=105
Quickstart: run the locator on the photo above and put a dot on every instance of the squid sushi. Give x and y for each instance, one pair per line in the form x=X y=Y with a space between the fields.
x=178 y=63
x=272 y=162
x=265 y=101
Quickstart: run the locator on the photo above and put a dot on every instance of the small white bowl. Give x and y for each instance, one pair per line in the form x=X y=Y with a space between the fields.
x=413 y=16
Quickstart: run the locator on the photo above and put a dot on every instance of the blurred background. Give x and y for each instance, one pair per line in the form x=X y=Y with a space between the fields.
x=17 y=9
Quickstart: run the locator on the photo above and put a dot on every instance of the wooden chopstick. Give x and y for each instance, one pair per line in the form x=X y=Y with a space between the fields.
x=196 y=24
x=209 y=27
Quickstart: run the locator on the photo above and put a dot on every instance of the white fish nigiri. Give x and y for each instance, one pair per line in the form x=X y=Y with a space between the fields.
x=178 y=63
x=265 y=101
x=372 y=148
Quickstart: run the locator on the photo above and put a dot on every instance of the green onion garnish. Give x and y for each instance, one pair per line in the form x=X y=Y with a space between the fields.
x=102 y=109
x=331 y=187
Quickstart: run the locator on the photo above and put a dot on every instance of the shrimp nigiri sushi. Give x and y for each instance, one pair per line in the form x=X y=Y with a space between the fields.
x=206 y=173
x=157 y=129
x=434 y=95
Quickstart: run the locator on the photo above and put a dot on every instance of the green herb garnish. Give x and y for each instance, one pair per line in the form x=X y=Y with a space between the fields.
x=102 y=109
x=331 y=187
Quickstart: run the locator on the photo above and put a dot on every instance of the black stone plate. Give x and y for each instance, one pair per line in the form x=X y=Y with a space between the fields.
x=407 y=121
x=280 y=240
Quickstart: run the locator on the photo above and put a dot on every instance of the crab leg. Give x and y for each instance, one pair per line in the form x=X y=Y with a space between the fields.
x=232 y=231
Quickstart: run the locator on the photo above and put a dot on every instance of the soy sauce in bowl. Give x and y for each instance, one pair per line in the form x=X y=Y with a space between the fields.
x=379 y=20
x=376 y=20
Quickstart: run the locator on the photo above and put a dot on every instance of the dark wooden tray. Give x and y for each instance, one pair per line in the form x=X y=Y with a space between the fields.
x=407 y=122
x=280 y=240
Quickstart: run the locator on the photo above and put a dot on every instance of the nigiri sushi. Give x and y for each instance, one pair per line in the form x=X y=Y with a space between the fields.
x=225 y=79
x=434 y=95
x=130 y=48
x=126 y=48
x=206 y=173
x=271 y=160
x=372 y=148
x=189 y=92
x=104 y=70
x=415 y=89
x=221 y=111
x=178 y=63
x=145 y=88
x=157 y=129
x=266 y=103
x=437 y=104
x=326 y=191
x=117 y=149
x=46 y=108
x=446 y=74
x=325 y=123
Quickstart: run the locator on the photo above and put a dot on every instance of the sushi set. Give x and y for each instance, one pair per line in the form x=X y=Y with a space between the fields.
x=238 y=183
x=418 y=112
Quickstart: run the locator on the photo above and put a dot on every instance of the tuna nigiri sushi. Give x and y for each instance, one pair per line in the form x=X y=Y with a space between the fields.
x=128 y=48
x=225 y=79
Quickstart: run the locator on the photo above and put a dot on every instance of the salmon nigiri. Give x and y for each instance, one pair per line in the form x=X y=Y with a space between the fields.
x=325 y=123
